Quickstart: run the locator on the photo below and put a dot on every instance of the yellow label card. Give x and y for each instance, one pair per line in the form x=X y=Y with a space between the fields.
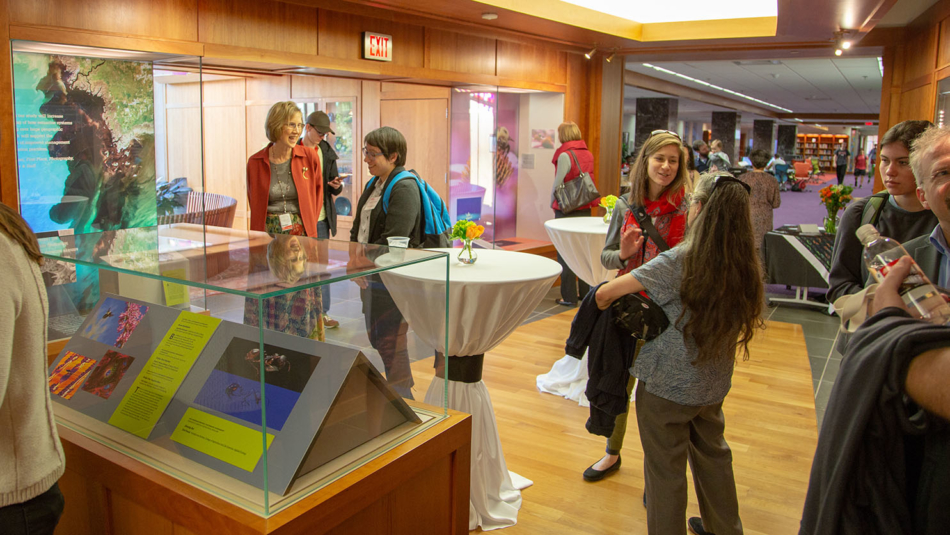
x=175 y=294
x=222 y=439
x=153 y=389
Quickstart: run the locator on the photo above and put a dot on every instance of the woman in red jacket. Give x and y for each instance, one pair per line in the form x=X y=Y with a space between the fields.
x=570 y=159
x=285 y=196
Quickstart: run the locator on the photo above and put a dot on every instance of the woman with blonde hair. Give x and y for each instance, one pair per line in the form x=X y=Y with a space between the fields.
x=658 y=181
x=570 y=160
x=33 y=461
x=285 y=196
x=710 y=287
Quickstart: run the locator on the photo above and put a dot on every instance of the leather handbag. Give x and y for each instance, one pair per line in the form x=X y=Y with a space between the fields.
x=577 y=193
x=639 y=316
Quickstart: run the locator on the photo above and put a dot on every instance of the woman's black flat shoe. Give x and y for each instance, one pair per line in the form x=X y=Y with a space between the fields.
x=592 y=474
x=564 y=303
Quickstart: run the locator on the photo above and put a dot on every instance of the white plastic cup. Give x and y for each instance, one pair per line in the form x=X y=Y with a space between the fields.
x=397 y=247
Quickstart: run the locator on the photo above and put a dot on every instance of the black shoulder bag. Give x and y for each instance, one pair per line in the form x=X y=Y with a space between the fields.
x=637 y=314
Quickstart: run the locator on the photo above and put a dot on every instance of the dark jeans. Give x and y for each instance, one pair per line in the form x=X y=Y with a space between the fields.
x=572 y=288
x=841 y=170
x=38 y=516
x=323 y=232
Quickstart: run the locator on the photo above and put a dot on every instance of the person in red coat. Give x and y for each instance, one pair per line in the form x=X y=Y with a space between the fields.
x=284 y=180
x=569 y=160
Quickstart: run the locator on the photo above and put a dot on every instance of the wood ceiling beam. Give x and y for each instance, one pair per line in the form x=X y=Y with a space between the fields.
x=676 y=90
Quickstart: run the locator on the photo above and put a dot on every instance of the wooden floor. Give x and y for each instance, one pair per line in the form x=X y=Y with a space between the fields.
x=770 y=426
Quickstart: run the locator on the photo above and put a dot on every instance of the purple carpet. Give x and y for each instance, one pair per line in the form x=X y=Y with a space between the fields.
x=804 y=207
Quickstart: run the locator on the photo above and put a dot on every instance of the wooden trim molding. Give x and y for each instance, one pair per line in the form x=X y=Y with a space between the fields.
x=49 y=34
x=917 y=82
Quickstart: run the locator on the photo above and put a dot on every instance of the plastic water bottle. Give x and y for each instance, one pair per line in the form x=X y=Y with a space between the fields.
x=919 y=294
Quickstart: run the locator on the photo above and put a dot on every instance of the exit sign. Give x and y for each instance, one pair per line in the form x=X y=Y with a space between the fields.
x=377 y=46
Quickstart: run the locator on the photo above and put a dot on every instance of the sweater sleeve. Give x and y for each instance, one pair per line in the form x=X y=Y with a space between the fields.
x=846 y=275
x=610 y=255
x=11 y=295
x=560 y=171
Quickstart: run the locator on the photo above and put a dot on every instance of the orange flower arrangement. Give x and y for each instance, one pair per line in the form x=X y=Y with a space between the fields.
x=835 y=198
x=467 y=231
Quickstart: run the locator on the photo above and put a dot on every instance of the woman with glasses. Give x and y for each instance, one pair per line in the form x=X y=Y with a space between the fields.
x=570 y=159
x=713 y=297
x=284 y=196
x=658 y=187
x=384 y=152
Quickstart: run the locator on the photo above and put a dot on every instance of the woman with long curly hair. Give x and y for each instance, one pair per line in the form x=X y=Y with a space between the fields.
x=658 y=185
x=710 y=286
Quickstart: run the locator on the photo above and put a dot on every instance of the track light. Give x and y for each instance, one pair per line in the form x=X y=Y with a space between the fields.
x=591 y=53
x=611 y=56
x=837 y=51
x=842 y=41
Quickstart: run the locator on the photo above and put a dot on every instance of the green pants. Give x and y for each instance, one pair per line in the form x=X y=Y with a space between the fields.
x=615 y=441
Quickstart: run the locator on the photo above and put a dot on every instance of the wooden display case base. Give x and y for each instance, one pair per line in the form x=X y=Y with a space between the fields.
x=420 y=486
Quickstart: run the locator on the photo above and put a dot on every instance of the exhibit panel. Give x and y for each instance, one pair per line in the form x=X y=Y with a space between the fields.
x=502 y=172
x=232 y=382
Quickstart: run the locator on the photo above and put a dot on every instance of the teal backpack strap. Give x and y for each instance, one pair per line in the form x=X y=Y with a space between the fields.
x=389 y=188
x=873 y=208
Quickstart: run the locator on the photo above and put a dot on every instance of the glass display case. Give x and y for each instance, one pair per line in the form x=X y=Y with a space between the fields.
x=202 y=352
x=501 y=164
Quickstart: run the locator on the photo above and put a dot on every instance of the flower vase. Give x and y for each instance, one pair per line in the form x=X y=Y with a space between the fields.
x=467 y=254
x=831 y=222
x=607 y=216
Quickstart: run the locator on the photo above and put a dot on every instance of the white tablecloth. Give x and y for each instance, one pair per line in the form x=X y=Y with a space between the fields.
x=580 y=241
x=487 y=302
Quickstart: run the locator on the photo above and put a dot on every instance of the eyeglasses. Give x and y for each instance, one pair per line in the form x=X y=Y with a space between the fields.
x=370 y=153
x=723 y=177
x=294 y=126
x=670 y=132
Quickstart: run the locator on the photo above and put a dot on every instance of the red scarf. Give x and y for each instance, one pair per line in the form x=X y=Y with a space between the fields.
x=669 y=217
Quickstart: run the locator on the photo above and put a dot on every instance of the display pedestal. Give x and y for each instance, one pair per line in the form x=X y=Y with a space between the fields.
x=420 y=486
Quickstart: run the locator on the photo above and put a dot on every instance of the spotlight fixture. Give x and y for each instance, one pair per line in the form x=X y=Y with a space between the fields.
x=838 y=51
x=613 y=53
x=591 y=53
x=842 y=41
x=489 y=16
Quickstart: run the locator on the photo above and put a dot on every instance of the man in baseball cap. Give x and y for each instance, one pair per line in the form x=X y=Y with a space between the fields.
x=315 y=134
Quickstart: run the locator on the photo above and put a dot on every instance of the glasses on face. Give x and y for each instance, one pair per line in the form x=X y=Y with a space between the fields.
x=297 y=127
x=670 y=132
x=722 y=178
x=371 y=154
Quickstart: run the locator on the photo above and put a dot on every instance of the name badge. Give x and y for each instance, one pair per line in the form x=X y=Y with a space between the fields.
x=286 y=223
x=371 y=203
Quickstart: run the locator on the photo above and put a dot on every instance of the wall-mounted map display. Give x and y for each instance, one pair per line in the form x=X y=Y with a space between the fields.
x=85 y=142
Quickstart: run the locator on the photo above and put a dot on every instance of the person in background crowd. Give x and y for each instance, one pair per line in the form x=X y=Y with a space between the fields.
x=713 y=296
x=899 y=214
x=701 y=151
x=658 y=184
x=716 y=151
x=32 y=463
x=717 y=162
x=692 y=175
x=765 y=197
x=860 y=169
x=882 y=464
x=930 y=161
x=315 y=137
x=776 y=160
x=842 y=155
x=570 y=159
x=872 y=159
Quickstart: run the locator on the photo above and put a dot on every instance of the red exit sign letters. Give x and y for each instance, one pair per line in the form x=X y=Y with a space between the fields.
x=377 y=46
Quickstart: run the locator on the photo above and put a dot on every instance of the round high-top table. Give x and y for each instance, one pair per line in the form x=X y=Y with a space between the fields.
x=580 y=241
x=488 y=300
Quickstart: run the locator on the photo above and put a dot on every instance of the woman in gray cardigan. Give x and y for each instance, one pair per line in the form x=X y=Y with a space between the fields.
x=32 y=460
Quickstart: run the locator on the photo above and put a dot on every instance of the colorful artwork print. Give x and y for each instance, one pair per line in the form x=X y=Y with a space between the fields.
x=234 y=387
x=69 y=374
x=85 y=133
x=114 y=322
x=107 y=374
x=542 y=139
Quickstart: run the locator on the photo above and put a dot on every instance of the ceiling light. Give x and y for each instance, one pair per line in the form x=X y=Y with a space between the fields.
x=611 y=56
x=489 y=16
x=845 y=44
x=591 y=53
x=723 y=89
x=837 y=51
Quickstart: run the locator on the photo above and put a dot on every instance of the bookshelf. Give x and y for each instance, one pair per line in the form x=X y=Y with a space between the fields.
x=822 y=147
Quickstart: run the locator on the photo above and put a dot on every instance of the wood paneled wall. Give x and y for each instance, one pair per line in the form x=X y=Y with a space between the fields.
x=239 y=31
x=915 y=60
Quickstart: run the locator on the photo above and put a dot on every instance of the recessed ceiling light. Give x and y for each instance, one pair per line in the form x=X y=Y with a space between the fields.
x=723 y=89
x=489 y=16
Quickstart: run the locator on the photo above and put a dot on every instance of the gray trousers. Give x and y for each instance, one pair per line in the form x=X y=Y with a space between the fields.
x=671 y=434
